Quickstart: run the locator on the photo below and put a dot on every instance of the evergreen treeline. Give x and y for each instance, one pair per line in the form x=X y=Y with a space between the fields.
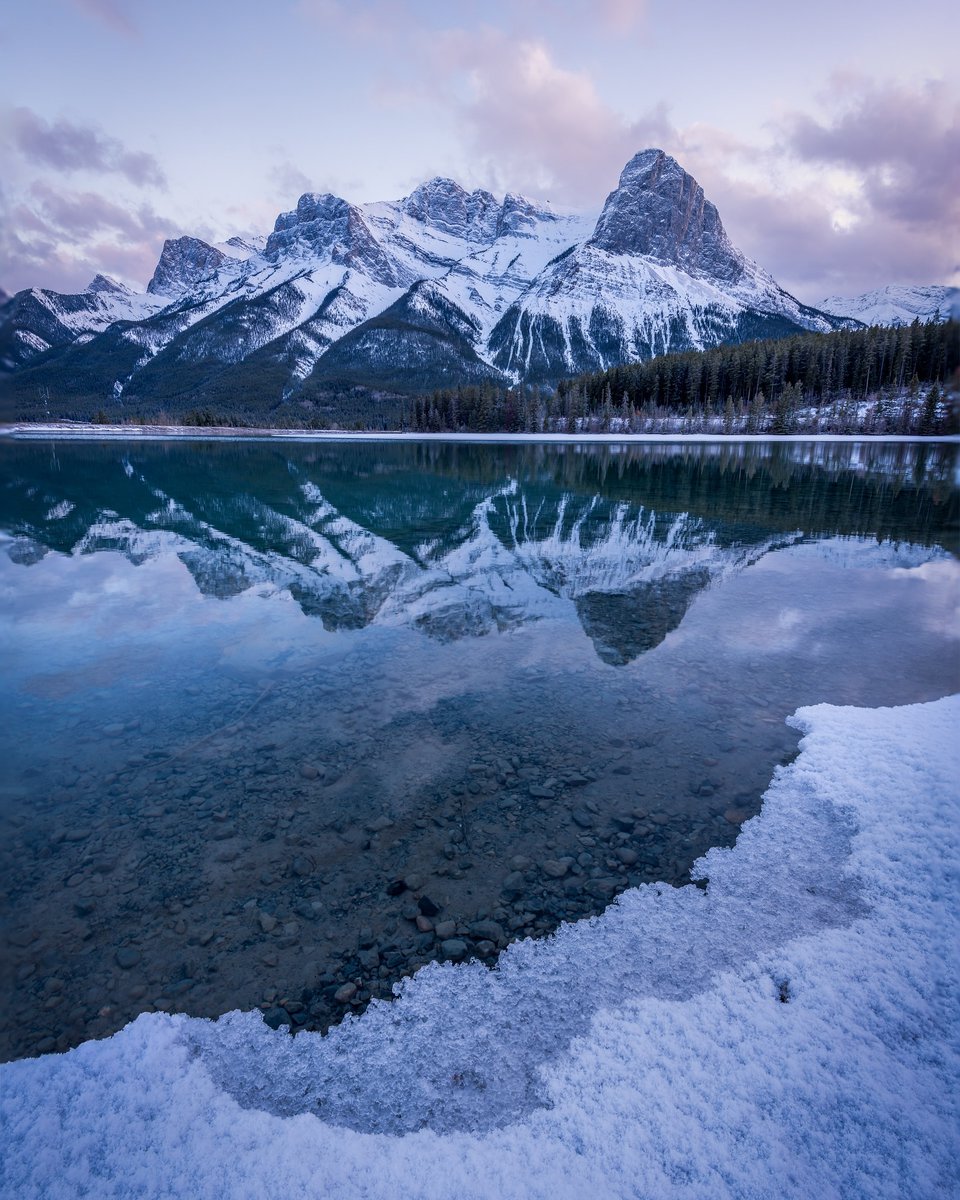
x=878 y=380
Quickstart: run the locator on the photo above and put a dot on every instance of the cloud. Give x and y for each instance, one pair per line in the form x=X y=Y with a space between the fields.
x=58 y=239
x=903 y=143
x=108 y=13
x=531 y=123
x=792 y=231
x=289 y=181
x=81 y=214
x=67 y=147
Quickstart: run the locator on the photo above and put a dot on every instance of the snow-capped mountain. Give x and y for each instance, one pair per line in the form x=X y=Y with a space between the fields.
x=37 y=319
x=897 y=304
x=659 y=273
x=441 y=287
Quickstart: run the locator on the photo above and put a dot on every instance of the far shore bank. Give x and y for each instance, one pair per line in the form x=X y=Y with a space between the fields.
x=92 y=432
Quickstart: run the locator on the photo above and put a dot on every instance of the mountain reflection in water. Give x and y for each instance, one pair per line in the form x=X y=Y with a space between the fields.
x=459 y=542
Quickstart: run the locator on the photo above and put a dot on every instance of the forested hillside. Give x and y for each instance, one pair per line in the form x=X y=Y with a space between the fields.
x=877 y=380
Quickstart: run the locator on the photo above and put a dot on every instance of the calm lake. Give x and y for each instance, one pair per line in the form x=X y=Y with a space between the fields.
x=281 y=722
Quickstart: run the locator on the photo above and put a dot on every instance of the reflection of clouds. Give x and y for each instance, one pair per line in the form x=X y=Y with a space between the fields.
x=104 y=594
x=786 y=630
x=941 y=594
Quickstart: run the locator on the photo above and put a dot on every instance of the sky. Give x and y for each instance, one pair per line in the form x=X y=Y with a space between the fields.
x=828 y=135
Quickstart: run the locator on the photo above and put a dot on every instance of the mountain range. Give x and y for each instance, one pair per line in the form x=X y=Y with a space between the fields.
x=443 y=287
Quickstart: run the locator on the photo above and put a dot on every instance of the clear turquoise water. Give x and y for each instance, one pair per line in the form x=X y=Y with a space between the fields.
x=250 y=687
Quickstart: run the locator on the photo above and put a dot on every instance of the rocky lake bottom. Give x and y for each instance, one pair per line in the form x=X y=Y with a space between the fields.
x=252 y=874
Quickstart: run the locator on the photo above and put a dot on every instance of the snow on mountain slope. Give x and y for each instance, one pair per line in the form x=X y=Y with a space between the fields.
x=486 y=282
x=241 y=248
x=897 y=304
x=37 y=319
x=436 y=333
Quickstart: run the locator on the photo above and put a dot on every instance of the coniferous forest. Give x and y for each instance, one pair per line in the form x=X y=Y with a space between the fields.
x=878 y=380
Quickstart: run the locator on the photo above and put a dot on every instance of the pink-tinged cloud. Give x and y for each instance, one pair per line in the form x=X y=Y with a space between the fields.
x=108 y=13
x=81 y=214
x=61 y=239
x=792 y=232
x=532 y=124
x=68 y=147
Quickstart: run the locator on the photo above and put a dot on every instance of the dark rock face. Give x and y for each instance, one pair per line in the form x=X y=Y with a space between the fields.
x=445 y=205
x=35 y=320
x=239 y=244
x=184 y=262
x=28 y=328
x=659 y=210
x=323 y=224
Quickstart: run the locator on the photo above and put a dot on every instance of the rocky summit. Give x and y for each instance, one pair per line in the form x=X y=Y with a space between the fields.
x=397 y=298
x=660 y=212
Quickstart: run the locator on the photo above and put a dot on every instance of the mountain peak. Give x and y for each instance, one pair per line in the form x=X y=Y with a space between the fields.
x=521 y=215
x=443 y=204
x=184 y=262
x=898 y=304
x=659 y=211
x=104 y=285
x=327 y=226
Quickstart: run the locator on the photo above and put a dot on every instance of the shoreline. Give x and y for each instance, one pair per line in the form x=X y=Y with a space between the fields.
x=806 y=1003
x=82 y=431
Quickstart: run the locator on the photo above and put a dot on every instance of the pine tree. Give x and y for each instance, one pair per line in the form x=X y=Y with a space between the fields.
x=606 y=415
x=756 y=420
x=930 y=417
x=783 y=411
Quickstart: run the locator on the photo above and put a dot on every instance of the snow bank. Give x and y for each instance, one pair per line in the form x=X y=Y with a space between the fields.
x=792 y=1030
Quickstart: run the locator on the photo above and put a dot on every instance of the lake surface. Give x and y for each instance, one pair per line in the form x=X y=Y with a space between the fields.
x=282 y=722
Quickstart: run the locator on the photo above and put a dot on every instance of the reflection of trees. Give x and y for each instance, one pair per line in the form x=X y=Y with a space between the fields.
x=360 y=532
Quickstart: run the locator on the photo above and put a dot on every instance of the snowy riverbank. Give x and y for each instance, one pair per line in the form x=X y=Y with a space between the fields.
x=132 y=432
x=793 y=1030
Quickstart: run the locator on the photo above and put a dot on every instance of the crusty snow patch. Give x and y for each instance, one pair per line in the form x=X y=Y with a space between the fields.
x=791 y=1031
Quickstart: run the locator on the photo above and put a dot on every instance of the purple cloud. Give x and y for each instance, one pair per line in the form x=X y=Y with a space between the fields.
x=536 y=125
x=903 y=143
x=80 y=214
x=792 y=232
x=61 y=239
x=533 y=125
x=67 y=147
